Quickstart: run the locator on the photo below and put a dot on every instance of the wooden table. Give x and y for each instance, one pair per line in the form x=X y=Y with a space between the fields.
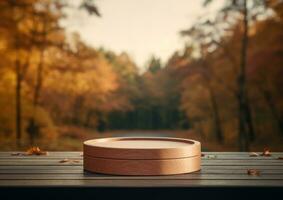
x=219 y=170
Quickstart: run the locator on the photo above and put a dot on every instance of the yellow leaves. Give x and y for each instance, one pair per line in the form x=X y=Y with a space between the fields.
x=3 y=44
x=90 y=76
x=195 y=98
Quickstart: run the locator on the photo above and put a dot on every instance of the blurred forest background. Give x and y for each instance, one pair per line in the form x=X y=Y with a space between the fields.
x=224 y=88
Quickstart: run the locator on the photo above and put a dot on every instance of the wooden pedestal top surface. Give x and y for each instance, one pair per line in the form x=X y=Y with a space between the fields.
x=142 y=148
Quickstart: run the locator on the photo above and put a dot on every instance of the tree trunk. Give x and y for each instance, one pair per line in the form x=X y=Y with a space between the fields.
x=215 y=110
x=36 y=95
x=77 y=108
x=249 y=120
x=242 y=134
x=38 y=83
x=18 y=104
x=40 y=66
x=216 y=117
x=270 y=102
x=89 y=115
x=199 y=129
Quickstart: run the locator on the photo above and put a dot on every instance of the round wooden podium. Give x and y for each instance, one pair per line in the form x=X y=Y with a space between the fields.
x=142 y=156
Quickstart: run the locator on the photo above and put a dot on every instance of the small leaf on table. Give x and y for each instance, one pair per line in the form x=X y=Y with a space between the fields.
x=266 y=152
x=253 y=172
x=31 y=151
x=35 y=151
x=254 y=154
x=66 y=160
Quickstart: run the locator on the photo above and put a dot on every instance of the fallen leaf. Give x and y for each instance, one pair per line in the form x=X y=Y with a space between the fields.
x=280 y=158
x=35 y=151
x=64 y=160
x=31 y=151
x=266 y=152
x=254 y=154
x=202 y=155
x=253 y=172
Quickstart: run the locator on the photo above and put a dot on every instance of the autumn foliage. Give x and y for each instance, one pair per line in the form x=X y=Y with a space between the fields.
x=50 y=79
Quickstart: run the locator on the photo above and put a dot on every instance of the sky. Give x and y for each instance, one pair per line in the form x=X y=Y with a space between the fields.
x=141 y=28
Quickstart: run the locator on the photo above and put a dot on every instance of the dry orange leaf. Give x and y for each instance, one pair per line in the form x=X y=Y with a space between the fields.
x=35 y=151
x=266 y=152
x=31 y=151
x=253 y=172
x=64 y=160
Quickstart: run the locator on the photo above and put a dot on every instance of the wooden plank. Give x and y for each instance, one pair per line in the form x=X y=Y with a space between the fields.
x=213 y=157
x=238 y=153
x=42 y=159
x=192 y=176
x=80 y=167
x=240 y=157
x=30 y=167
x=141 y=183
x=31 y=162
x=39 y=157
x=207 y=157
x=50 y=153
x=80 y=171
x=79 y=153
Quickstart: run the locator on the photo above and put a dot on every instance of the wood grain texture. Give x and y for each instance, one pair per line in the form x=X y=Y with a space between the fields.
x=142 y=155
x=141 y=183
x=142 y=167
x=142 y=148
x=209 y=162
x=225 y=169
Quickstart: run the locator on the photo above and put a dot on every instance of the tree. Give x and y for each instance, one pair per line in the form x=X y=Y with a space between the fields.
x=243 y=13
x=154 y=65
x=266 y=60
x=206 y=72
x=16 y=20
x=29 y=27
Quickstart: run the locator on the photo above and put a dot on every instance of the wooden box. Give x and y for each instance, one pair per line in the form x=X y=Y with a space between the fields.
x=142 y=156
